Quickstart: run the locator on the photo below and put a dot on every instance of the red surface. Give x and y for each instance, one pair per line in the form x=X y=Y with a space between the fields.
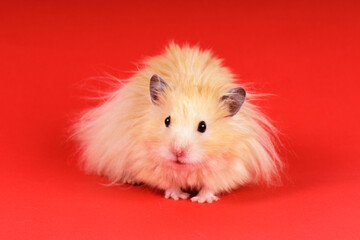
x=307 y=53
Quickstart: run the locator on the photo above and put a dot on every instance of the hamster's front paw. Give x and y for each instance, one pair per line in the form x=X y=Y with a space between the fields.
x=176 y=193
x=205 y=196
x=131 y=181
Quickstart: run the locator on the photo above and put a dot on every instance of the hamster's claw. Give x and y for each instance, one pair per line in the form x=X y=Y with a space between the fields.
x=176 y=194
x=205 y=196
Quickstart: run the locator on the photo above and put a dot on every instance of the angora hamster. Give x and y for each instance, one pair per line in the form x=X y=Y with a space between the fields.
x=181 y=122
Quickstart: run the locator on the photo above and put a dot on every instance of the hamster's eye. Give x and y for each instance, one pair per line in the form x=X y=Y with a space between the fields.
x=202 y=127
x=167 y=121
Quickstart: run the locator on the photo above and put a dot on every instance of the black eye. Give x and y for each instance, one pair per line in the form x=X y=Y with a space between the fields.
x=167 y=121
x=202 y=127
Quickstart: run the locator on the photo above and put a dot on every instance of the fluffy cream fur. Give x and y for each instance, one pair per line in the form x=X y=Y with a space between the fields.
x=126 y=139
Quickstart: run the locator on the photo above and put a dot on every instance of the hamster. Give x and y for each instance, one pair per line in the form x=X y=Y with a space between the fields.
x=182 y=122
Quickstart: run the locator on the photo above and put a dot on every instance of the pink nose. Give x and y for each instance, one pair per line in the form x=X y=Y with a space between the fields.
x=178 y=151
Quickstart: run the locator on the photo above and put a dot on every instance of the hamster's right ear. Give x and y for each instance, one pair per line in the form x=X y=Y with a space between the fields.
x=234 y=99
x=157 y=85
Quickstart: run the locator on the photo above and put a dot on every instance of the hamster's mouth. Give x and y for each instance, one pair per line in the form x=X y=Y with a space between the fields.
x=179 y=162
x=176 y=163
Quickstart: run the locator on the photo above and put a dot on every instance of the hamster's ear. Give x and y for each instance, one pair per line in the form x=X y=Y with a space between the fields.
x=234 y=99
x=157 y=85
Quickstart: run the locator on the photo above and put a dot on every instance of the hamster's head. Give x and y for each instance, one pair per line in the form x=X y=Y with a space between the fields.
x=191 y=125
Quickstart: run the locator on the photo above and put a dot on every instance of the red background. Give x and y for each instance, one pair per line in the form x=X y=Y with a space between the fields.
x=305 y=52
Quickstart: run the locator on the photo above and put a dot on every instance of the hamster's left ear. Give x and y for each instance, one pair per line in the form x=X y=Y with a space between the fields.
x=157 y=85
x=234 y=99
